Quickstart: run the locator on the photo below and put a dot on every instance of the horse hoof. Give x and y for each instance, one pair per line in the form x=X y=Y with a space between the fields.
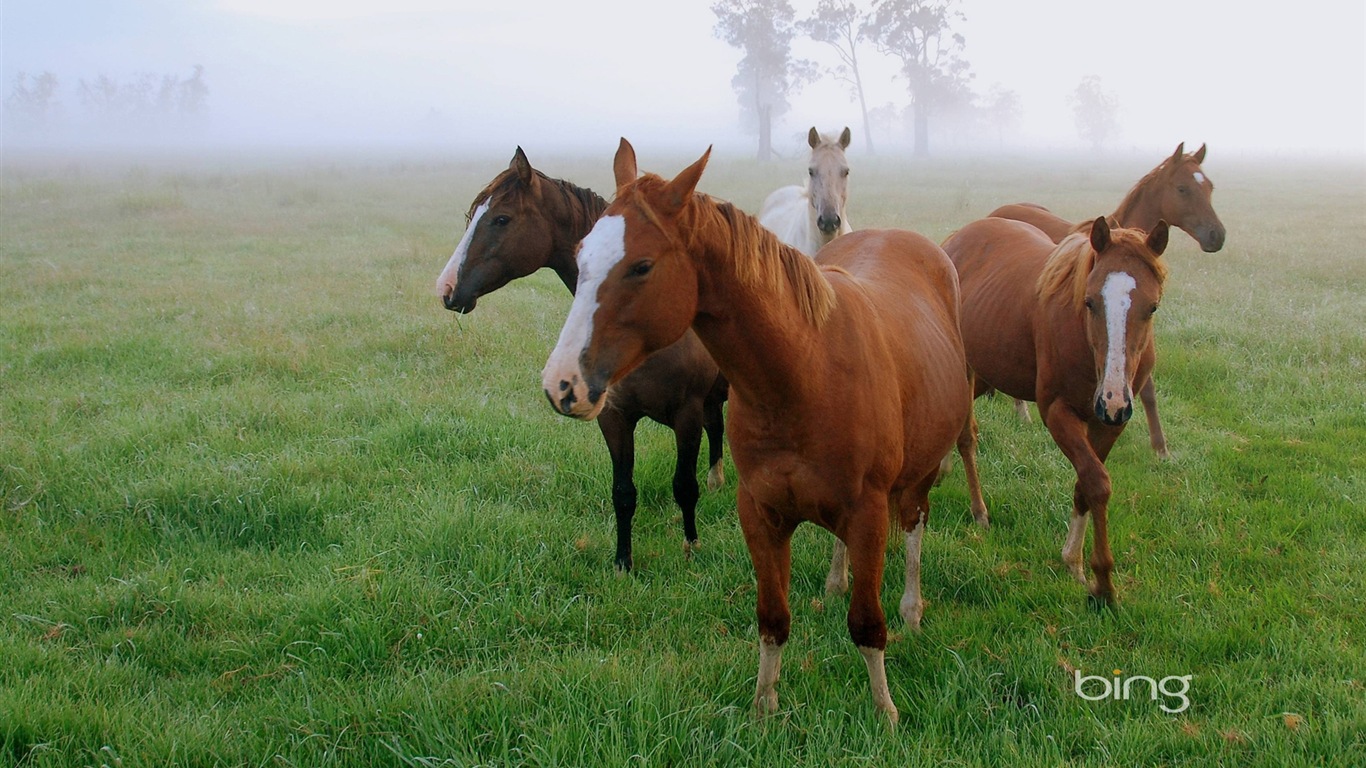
x=689 y=547
x=716 y=478
x=911 y=614
x=1099 y=603
x=836 y=587
x=982 y=519
x=1162 y=452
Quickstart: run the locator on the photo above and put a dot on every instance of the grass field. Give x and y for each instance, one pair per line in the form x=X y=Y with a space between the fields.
x=264 y=502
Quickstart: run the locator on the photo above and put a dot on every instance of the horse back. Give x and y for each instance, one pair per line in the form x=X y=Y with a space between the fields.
x=1051 y=224
x=910 y=290
x=999 y=262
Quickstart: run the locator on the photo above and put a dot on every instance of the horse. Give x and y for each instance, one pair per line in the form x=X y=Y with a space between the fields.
x=1069 y=326
x=848 y=382
x=524 y=220
x=1176 y=191
x=808 y=217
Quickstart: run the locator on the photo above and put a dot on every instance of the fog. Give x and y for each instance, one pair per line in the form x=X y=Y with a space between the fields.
x=1242 y=77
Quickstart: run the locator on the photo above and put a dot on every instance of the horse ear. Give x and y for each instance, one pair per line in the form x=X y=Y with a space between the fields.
x=1100 y=234
x=844 y=138
x=522 y=166
x=1157 y=239
x=1180 y=150
x=684 y=184
x=813 y=138
x=1200 y=155
x=624 y=165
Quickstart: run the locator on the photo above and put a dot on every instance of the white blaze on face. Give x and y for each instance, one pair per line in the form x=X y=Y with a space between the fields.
x=1199 y=178
x=601 y=250
x=1116 y=295
x=445 y=284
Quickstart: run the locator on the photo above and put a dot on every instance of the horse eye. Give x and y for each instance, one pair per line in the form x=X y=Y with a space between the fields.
x=1153 y=310
x=501 y=221
x=1183 y=189
x=1090 y=304
x=641 y=268
x=811 y=172
x=844 y=172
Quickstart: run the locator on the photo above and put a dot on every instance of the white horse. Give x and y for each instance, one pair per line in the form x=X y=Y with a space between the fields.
x=807 y=218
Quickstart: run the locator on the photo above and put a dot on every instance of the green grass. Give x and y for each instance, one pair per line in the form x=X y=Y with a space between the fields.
x=263 y=502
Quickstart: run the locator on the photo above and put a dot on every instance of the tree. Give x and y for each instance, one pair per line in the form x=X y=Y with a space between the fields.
x=767 y=74
x=1002 y=111
x=32 y=108
x=1095 y=110
x=918 y=33
x=843 y=26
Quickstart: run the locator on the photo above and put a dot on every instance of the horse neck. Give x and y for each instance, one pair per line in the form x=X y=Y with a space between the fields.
x=574 y=210
x=754 y=329
x=1140 y=208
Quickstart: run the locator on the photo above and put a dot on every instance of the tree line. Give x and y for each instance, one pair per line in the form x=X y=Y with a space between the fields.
x=146 y=106
x=918 y=34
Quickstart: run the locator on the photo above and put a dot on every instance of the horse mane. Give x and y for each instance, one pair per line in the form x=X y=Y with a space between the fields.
x=584 y=203
x=759 y=258
x=1070 y=264
x=1130 y=200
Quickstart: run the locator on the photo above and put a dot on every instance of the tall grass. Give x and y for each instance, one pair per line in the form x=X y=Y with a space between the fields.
x=264 y=502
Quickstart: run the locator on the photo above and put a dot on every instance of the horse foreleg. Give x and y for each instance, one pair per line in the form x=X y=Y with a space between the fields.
x=770 y=552
x=687 y=428
x=620 y=434
x=913 y=512
x=1086 y=447
x=866 y=537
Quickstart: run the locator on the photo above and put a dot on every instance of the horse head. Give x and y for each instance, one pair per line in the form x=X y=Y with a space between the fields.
x=509 y=235
x=829 y=179
x=637 y=290
x=1122 y=291
x=1185 y=199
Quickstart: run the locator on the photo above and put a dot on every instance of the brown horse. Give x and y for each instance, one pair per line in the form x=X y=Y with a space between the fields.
x=1069 y=326
x=1176 y=191
x=847 y=378
x=523 y=221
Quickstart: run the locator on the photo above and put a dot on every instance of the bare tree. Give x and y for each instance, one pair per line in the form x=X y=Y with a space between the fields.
x=918 y=33
x=1095 y=110
x=843 y=26
x=767 y=74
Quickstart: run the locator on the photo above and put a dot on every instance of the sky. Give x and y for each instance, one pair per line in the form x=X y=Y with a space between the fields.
x=1247 y=77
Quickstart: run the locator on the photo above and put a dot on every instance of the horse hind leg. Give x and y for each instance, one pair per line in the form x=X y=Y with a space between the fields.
x=687 y=428
x=1022 y=410
x=837 y=580
x=1148 y=394
x=913 y=512
x=714 y=424
x=967 y=449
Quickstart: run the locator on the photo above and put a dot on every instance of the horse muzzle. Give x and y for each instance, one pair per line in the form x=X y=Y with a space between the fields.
x=1114 y=408
x=573 y=396
x=828 y=223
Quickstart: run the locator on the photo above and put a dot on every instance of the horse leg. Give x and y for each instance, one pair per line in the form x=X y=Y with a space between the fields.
x=714 y=422
x=769 y=541
x=1022 y=410
x=837 y=580
x=1148 y=394
x=1085 y=447
x=620 y=434
x=967 y=449
x=866 y=537
x=913 y=513
x=687 y=428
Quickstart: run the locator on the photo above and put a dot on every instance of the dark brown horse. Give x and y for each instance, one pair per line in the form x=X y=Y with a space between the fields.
x=523 y=221
x=1178 y=192
x=1069 y=326
x=847 y=378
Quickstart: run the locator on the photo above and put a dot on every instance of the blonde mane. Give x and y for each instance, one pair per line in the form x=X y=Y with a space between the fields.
x=759 y=258
x=1070 y=264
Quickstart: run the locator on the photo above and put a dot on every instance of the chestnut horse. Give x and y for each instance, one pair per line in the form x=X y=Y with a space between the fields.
x=524 y=220
x=807 y=218
x=1176 y=191
x=1070 y=327
x=847 y=378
